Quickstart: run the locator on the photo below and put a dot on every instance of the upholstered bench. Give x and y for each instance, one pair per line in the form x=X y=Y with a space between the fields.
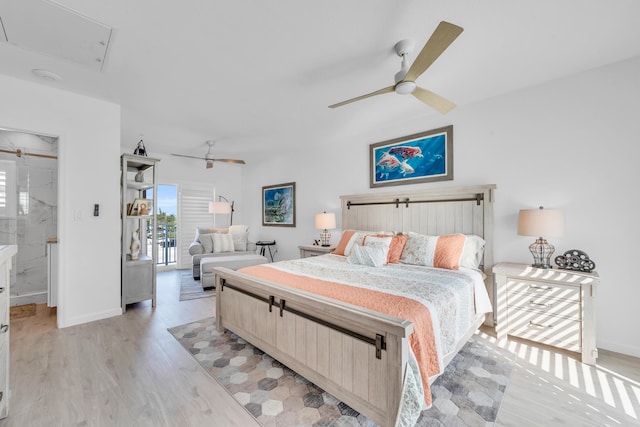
x=231 y=261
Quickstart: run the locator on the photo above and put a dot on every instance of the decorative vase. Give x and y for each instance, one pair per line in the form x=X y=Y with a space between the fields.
x=135 y=245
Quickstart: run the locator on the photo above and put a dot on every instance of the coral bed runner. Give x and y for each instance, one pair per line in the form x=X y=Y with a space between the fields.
x=468 y=393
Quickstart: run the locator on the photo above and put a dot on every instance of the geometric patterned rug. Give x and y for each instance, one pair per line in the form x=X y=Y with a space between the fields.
x=468 y=393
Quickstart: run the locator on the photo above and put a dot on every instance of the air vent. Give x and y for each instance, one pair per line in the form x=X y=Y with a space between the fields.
x=54 y=30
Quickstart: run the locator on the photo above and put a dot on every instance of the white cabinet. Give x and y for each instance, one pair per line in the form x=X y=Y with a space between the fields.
x=6 y=253
x=138 y=213
x=550 y=306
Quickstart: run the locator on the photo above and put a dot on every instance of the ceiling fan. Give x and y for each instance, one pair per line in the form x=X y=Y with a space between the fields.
x=209 y=157
x=405 y=79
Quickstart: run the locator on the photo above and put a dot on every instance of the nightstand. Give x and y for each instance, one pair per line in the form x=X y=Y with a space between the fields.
x=554 y=307
x=314 y=250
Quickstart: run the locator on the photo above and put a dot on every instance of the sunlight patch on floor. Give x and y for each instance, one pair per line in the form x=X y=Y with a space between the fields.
x=612 y=388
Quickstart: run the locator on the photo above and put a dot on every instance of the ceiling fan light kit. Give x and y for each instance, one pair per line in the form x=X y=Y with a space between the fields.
x=405 y=79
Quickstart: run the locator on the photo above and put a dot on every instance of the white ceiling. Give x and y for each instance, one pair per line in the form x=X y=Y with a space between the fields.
x=255 y=75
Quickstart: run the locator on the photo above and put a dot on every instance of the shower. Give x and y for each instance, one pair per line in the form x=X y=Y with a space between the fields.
x=28 y=210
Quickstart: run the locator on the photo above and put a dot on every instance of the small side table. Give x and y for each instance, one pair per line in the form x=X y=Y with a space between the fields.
x=267 y=244
x=314 y=250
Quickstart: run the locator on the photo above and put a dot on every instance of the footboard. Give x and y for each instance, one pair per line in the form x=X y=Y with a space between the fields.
x=355 y=354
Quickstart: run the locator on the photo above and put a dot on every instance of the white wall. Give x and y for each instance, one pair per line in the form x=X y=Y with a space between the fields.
x=571 y=144
x=88 y=163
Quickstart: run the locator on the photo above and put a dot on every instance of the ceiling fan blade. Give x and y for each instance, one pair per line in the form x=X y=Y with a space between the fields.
x=190 y=157
x=378 y=92
x=439 y=41
x=434 y=100
x=240 y=162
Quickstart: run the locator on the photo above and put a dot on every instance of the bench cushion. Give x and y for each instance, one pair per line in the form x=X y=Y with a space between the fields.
x=233 y=262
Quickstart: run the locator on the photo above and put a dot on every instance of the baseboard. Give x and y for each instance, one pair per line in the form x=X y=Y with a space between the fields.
x=91 y=317
x=37 y=298
x=618 y=348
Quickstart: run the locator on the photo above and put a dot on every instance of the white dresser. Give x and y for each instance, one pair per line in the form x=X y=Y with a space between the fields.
x=550 y=306
x=6 y=253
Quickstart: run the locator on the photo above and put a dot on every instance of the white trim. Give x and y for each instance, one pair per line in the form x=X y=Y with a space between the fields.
x=91 y=317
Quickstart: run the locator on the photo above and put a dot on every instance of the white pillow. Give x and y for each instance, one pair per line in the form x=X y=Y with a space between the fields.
x=206 y=240
x=472 y=251
x=379 y=242
x=240 y=241
x=222 y=243
x=373 y=256
x=238 y=229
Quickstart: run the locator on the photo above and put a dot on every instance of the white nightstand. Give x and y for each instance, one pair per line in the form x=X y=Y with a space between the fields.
x=314 y=250
x=554 y=307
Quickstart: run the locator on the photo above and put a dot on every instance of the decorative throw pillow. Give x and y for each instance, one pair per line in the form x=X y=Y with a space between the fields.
x=238 y=229
x=395 y=249
x=222 y=243
x=349 y=239
x=206 y=240
x=434 y=251
x=373 y=256
x=347 y=235
x=376 y=241
x=240 y=241
x=211 y=230
x=415 y=249
x=472 y=252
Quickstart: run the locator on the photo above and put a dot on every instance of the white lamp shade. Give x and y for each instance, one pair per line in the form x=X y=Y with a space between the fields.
x=219 y=207
x=541 y=222
x=325 y=221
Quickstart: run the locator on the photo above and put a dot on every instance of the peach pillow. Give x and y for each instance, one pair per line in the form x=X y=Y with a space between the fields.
x=344 y=241
x=449 y=251
x=395 y=249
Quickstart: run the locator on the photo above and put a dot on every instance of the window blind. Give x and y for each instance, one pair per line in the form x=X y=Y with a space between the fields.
x=193 y=211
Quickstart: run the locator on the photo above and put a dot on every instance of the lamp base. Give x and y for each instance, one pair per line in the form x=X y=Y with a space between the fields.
x=325 y=236
x=541 y=251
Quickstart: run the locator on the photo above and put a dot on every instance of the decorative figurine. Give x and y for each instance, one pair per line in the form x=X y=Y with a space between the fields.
x=576 y=260
x=135 y=245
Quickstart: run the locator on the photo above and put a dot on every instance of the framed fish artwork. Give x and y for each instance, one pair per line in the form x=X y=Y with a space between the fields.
x=421 y=157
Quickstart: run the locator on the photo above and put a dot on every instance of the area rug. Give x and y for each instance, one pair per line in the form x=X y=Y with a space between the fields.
x=468 y=393
x=192 y=289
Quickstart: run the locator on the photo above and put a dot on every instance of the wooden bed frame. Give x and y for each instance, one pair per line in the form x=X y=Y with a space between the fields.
x=357 y=355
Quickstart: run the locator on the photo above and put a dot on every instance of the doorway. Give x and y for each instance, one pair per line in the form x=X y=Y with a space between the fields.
x=167 y=205
x=28 y=213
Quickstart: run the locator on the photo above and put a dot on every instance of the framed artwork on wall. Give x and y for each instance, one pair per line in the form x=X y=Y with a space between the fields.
x=421 y=157
x=279 y=204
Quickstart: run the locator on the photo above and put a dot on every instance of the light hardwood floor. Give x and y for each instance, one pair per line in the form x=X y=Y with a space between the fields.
x=129 y=371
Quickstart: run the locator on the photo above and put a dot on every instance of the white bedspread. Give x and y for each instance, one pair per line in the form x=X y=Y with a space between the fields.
x=453 y=297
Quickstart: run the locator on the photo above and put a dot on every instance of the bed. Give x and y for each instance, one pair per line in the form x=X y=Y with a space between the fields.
x=363 y=355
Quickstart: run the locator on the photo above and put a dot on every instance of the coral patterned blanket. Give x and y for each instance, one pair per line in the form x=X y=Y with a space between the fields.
x=440 y=303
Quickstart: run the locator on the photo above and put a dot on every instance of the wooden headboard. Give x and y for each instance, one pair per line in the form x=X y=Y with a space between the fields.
x=467 y=210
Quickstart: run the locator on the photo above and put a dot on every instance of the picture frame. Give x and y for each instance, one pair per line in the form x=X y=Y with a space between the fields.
x=141 y=207
x=417 y=158
x=279 y=205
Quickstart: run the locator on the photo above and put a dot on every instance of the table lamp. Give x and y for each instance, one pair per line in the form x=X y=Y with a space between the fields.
x=325 y=221
x=538 y=223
